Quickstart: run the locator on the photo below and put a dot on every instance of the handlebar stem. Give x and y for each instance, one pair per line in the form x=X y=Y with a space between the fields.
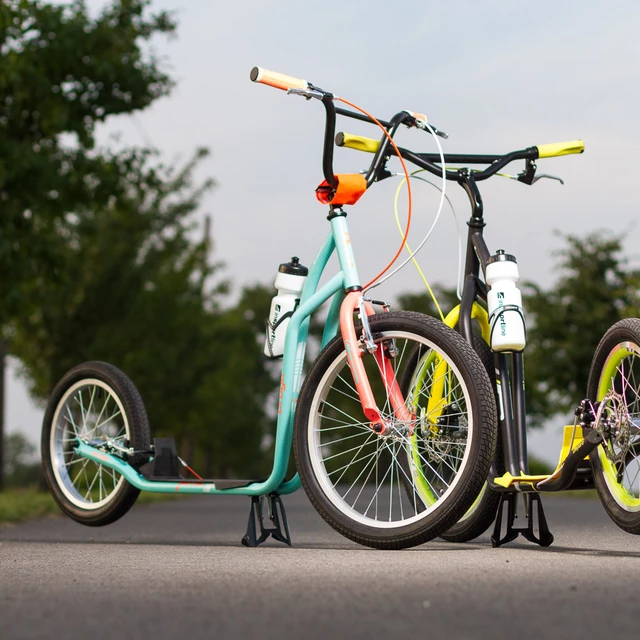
x=467 y=182
x=384 y=150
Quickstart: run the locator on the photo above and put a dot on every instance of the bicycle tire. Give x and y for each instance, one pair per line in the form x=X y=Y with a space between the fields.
x=616 y=365
x=477 y=407
x=114 y=410
x=482 y=513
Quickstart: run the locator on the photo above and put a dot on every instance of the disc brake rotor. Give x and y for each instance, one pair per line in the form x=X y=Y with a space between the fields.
x=614 y=422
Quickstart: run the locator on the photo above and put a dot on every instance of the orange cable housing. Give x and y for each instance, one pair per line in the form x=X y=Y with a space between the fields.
x=406 y=173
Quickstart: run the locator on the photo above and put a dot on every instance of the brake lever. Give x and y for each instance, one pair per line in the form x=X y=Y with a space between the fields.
x=309 y=93
x=547 y=175
x=421 y=124
x=306 y=93
x=419 y=121
x=528 y=176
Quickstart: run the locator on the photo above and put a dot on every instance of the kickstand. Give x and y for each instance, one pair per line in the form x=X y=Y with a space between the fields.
x=544 y=537
x=277 y=515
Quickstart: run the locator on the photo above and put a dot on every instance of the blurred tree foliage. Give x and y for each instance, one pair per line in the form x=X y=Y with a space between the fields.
x=131 y=287
x=22 y=466
x=596 y=288
x=423 y=302
x=99 y=253
x=61 y=73
x=565 y=322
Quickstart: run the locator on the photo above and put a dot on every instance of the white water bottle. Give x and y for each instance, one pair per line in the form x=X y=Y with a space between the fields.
x=504 y=302
x=289 y=282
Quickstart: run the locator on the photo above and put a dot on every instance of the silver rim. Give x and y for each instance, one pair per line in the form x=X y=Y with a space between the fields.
x=396 y=479
x=90 y=410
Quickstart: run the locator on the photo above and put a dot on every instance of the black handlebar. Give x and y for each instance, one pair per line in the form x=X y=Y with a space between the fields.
x=329 y=135
x=427 y=161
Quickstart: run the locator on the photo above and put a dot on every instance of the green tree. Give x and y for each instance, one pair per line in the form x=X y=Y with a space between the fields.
x=100 y=260
x=423 y=302
x=22 y=466
x=123 y=272
x=596 y=288
x=230 y=408
x=61 y=73
x=132 y=287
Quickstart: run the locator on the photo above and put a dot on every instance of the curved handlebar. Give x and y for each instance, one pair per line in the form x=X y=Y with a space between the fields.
x=382 y=149
x=286 y=83
x=277 y=80
x=429 y=161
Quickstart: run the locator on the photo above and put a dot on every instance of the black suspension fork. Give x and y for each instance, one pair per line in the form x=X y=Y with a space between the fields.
x=510 y=392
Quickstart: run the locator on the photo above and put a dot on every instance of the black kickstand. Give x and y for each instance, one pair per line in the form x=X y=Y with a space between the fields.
x=277 y=515
x=544 y=537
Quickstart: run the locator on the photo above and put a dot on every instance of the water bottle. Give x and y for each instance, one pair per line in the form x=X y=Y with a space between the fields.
x=504 y=302
x=289 y=282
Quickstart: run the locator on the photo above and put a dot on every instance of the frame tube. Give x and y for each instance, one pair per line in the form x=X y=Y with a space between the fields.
x=519 y=410
x=506 y=413
x=344 y=249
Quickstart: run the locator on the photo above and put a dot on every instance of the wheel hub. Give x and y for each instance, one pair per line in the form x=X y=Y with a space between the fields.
x=614 y=422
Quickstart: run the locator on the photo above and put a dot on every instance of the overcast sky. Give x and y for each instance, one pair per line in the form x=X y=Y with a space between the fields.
x=496 y=75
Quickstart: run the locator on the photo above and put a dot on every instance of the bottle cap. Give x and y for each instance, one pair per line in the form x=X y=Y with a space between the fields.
x=501 y=256
x=293 y=268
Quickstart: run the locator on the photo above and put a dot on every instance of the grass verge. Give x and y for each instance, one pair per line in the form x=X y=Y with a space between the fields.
x=20 y=505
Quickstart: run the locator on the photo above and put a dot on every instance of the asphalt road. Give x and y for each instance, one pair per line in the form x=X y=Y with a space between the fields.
x=177 y=570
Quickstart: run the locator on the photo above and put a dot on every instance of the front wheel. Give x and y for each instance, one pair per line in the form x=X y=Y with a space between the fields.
x=355 y=478
x=98 y=403
x=616 y=462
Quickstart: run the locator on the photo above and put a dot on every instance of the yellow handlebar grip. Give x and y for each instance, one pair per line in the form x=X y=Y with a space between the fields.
x=560 y=148
x=360 y=143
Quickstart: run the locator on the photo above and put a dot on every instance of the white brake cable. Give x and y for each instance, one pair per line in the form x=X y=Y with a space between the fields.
x=415 y=176
x=442 y=199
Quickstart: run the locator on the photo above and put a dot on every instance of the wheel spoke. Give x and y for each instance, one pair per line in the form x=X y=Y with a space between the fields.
x=82 y=415
x=111 y=417
x=81 y=471
x=346 y=466
x=388 y=479
x=357 y=449
x=355 y=435
x=340 y=411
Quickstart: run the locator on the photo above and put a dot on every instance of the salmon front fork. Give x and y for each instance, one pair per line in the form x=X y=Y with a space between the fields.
x=355 y=349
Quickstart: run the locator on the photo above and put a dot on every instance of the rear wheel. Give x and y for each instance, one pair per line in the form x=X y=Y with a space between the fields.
x=355 y=477
x=482 y=512
x=98 y=403
x=616 y=463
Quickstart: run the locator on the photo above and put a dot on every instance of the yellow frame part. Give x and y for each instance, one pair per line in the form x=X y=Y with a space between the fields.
x=571 y=439
x=437 y=399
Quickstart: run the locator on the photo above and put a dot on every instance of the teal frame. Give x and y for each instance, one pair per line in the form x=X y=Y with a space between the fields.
x=312 y=298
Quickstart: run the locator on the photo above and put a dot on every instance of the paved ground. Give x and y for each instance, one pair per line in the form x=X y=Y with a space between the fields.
x=177 y=570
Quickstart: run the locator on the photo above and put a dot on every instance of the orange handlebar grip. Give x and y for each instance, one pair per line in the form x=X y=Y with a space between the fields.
x=277 y=80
